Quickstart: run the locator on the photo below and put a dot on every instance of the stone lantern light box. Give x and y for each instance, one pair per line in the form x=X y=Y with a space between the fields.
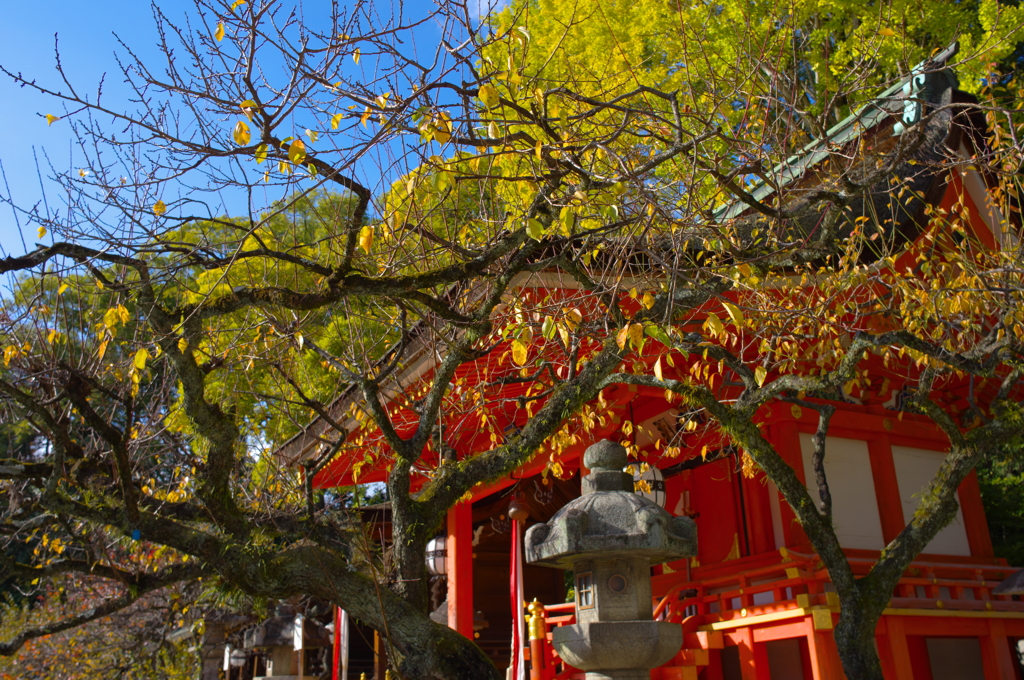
x=610 y=537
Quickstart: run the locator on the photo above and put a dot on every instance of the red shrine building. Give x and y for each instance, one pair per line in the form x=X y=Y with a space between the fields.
x=755 y=603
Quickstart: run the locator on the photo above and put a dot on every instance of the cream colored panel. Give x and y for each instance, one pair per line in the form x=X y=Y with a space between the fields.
x=854 y=505
x=914 y=469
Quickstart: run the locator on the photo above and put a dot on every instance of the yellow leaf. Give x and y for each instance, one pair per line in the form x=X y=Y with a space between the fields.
x=886 y=32
x=355 y=55
x=734 y=313
x=336 y=120
x=365 y=117
x=241 y=133
x=140 y=358
x=111 y=318
x=366 y=238
x=567 y=218
x=760 y=373
x=647 y=301
x=714 y=325
x=489 y=95
x=103 y=348
x=63 y=287
x=247 y=107
x=492 y=130
x=10 y=352
x=519 y=352
x=313 y=135
x=657 y=370
x=621 y=336
x=261 y=153
x=573 y=318
x=42 y=232
x=52 y=335
x=219 y=33
x=636 y=335
x=236 y=4
x=442 y=129
x=297 y=152
x=51 y=119
x=182 y=345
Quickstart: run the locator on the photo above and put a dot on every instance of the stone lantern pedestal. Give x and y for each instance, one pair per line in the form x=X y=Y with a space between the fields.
x=610 y=537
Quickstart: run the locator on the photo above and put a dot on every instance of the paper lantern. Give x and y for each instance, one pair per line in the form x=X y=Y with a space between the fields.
x=655 y=482
x=437 y=556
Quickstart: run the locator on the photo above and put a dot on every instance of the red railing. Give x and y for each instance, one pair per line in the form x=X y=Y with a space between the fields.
x=774 y=582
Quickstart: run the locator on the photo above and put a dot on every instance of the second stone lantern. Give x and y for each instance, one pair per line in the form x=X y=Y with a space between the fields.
x=610 y=537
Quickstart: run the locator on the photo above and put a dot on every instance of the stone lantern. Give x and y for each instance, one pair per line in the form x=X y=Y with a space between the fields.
x=610 y=537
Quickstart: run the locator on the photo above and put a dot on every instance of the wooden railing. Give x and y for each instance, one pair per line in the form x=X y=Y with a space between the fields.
x=789 y=581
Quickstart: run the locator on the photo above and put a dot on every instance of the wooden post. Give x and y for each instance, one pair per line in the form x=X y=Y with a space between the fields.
x=759 y=515
x=995 y=652
x=885 y=655
x=460 y=569
x=380 y=656
x=821 y=646
x=786 y=439
x=898 y=647
x=538 y=635
x=887 y=489
x=753 y=658
x=975 y=524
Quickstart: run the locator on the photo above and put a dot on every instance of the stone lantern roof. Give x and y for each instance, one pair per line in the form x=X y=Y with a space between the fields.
x=609 y=519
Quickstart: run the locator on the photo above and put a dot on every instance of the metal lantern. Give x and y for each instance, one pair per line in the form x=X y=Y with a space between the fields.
x=238 y=658
x=437 y=556
x=655 y=482
x=518 y=510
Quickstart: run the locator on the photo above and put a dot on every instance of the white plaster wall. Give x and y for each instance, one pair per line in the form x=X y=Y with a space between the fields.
x=854 y=504
x=914 y=469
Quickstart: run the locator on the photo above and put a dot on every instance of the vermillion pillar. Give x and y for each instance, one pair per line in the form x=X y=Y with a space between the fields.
x=460 y=568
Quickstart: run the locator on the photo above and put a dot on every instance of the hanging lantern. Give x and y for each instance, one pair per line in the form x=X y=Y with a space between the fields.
x=518 y=510
x=653 y=488
x=437 y=556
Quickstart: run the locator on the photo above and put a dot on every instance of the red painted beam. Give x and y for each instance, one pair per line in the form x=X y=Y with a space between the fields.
x=975 y=524
x=460 y=569
x=887 y=490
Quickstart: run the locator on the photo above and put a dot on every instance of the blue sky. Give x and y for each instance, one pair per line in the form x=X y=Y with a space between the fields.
x=87 y=43
x=87 y=34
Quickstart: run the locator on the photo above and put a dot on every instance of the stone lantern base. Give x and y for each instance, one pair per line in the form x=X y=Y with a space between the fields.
x=618 y=650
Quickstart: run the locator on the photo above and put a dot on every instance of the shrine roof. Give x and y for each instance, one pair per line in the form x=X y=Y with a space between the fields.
x=794 y=186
